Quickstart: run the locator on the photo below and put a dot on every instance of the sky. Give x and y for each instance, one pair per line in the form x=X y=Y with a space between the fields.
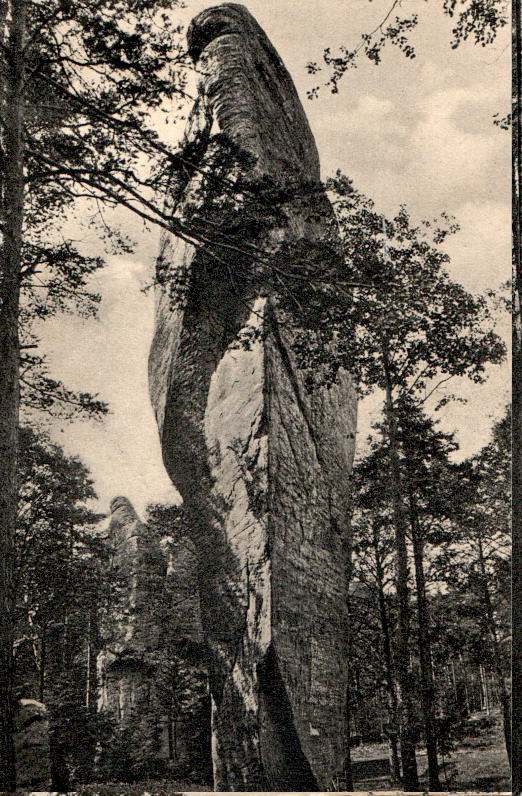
x=416 y=132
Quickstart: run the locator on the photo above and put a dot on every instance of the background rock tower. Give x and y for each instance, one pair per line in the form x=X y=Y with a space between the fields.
x=263 y=466
x=139 y=566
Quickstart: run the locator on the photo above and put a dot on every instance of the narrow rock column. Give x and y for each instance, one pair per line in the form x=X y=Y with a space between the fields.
x=140 y=567
x=262 y=464
x=152 y=620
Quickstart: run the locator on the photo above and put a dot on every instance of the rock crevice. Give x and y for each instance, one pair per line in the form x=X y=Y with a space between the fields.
x=263 y=464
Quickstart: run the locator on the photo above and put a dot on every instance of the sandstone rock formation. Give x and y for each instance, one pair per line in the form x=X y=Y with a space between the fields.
x=139 y=569
x=33 y=767
x=262 y=464
x=182 y=595
x=153 y=618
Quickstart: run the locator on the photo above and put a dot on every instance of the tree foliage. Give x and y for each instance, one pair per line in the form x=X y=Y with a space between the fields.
x=400 y=298
x=60 y=586
x=478 y=20
x=93 y=74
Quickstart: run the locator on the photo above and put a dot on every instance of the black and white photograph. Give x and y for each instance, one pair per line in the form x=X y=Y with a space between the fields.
x=255 y=396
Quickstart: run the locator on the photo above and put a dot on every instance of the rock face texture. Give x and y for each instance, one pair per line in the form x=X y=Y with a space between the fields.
x=139 y=569
x=262 y=464
x=33 y=767
x=182 y=594
x=153 y=618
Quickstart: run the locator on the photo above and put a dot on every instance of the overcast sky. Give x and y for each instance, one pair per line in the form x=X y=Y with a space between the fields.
x=417 y=132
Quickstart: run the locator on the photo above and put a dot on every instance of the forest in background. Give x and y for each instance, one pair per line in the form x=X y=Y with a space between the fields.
x=422 y=554
x=459 y=582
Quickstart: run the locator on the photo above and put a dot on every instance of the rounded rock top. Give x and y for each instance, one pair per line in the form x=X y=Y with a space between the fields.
x=215 y=21
x=120 y=502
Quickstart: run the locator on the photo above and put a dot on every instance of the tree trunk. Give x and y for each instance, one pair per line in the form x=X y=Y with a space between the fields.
x=88 y=665
x=467 y=702
x=517 y=406
x=388 y=663
x=410 y=780
x=484 y=702
x=348 y=775
x=454 y=678
x=11 y=219
x=425 y=657
x=43 y=663
x=170 y=734
x=497 y=657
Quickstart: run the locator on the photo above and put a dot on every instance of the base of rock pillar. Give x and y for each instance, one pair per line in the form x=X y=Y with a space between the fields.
x=285 y=764
x=270 y=523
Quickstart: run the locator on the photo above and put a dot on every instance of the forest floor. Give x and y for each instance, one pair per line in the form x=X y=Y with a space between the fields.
x=478 y=763
x=152 y=787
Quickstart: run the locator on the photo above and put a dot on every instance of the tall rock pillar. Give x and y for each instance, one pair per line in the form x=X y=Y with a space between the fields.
x=262 y=463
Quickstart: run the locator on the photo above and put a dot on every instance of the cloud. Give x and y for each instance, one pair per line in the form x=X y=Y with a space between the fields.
x=455 y=149
x=426 y=139
x=109 y=356
x=481 y=251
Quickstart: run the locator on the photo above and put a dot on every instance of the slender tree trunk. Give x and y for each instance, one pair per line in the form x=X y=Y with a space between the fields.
x=467 y=702
x=170 y=735
x=347 y=765
x=425 y=657
x=11 y=219
x=43 y=664
x=88 y=665
x=95 y=644
x=410 y=779
x=517 y=405
x=348 y=774
x=388 y=663
x=484 y=689
x=497 y=657
x=91 y=681
x=474 y=700
x=454 y=678
x=66 y=643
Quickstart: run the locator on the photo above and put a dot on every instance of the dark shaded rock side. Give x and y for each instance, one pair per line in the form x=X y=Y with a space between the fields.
x=262 y=464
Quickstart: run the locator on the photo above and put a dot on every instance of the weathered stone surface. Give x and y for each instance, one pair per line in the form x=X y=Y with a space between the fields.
x=155 y=615
x=33 y=767
x=182 y=593
x=263 y=465
x=139 y=566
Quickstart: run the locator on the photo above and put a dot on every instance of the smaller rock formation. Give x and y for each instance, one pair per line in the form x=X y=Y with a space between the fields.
x=148 y=673
x=33 y=767
x=182 y=595
x=139 y=569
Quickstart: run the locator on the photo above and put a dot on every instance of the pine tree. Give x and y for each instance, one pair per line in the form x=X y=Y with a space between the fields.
x=60 y=587
x=393 y=317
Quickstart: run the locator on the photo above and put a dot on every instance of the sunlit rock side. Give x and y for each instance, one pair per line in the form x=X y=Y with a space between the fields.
x=262 y=465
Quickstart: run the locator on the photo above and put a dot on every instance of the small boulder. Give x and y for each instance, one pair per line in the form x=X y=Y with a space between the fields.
x=33 y=767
